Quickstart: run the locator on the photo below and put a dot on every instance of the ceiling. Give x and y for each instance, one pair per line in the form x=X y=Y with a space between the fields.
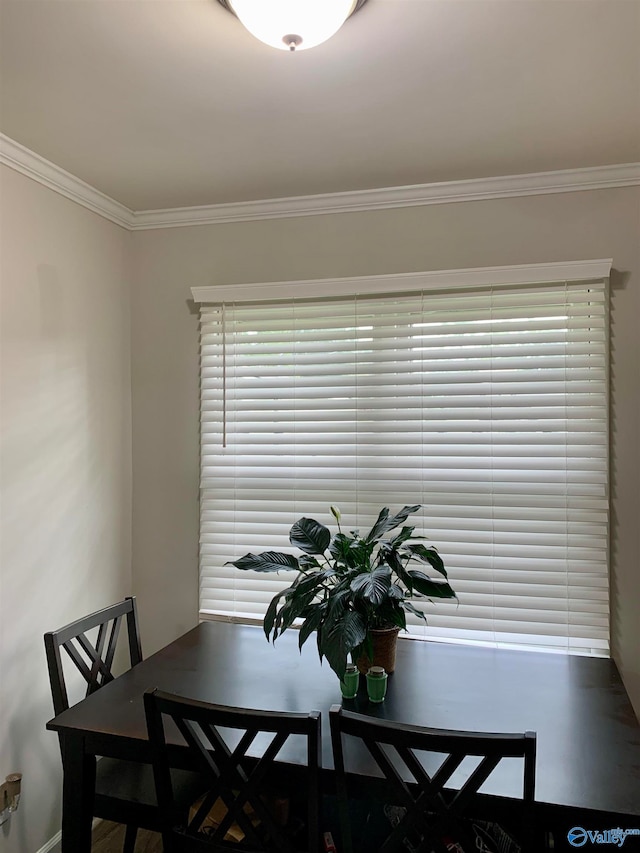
x=171 y=103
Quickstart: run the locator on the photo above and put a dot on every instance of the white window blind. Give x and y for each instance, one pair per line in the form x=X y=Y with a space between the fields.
x=487 y=405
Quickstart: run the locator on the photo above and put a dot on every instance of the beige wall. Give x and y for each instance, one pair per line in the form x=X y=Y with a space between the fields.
x=66 y=463
x=168 y=262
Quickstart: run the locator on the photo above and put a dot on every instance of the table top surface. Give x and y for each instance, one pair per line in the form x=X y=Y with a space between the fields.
x=588 y=735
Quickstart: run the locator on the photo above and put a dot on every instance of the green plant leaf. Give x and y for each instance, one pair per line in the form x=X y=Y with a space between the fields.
x=268 y=561
x=307 y=561
x=384 y=523
x=395 y=616
x=294 y=606
x=401 y=537
x=401 y=516
x=360 y=554
x=432 y=589
x=379 y=527
x=340 y=547
x=408 y=606
x=269 y=622
x=353 y=629
x=316 y=613
x=341 y=639
x=428 y=555
x=319 y=636
x=310 y=536
x=311 y=582
x=338 y=603
x=396 y=593
x=392 y=559
x=365 y=649
x=373 y=586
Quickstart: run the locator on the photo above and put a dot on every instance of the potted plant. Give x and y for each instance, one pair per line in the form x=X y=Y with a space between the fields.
x=350 y=586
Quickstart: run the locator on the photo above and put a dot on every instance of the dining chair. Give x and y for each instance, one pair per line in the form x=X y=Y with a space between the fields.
x=430 y=809
x=238 y=751
x=124 y=790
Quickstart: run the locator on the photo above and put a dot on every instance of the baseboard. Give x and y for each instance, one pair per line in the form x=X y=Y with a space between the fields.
x=53 y=844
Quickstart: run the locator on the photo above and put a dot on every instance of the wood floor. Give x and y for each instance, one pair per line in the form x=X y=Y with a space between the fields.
x=109 y=837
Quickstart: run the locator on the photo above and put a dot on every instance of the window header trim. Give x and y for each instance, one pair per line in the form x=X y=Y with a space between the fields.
x=404 y=282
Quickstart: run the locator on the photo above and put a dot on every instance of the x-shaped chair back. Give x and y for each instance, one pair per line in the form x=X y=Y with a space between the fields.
x=94 y=659
x=430 y=807
x=236 y=773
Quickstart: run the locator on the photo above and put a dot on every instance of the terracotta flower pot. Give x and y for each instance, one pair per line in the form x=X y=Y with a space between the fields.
x=384 y=650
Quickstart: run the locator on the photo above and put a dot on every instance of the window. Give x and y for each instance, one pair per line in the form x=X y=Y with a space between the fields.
x=480 y=394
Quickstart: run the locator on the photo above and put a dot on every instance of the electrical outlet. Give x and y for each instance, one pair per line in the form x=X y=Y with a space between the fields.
x=9 y=796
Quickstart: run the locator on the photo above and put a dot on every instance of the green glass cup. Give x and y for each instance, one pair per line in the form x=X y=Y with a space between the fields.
x=376 y=684
x=350 y=682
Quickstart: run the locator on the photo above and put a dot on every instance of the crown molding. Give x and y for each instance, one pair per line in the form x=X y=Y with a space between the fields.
x=45 y=172
x=27 y=162
x=477 y=189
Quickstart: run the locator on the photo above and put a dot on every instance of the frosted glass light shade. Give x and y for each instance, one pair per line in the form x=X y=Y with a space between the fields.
x=293 y=24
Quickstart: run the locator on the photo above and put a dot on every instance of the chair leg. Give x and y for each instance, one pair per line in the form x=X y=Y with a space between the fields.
x=130 y=838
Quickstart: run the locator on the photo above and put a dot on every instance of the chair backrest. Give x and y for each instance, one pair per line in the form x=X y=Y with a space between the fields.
x=430 y=808
x=234 y=749
x=94 y=659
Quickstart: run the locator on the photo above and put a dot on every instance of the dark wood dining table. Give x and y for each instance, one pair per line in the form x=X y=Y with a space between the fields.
x=588 y=763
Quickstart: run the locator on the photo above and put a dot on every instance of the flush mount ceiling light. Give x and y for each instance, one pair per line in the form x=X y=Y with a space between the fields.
x=292 y=24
